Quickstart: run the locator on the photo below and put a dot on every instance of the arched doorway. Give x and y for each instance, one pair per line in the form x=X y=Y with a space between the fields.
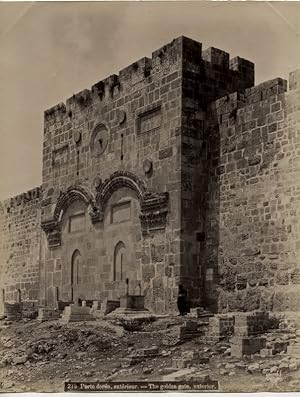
x=120 y=262
x=75 y=274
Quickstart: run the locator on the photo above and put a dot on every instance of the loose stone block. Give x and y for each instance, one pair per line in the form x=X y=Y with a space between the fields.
x=30 y=309
x=221 y=326
x=109 y=305
x=61 y=305
x=133 y=302
x=200 y=313
x=253 y=323
x=48 y=314
x=241 y=346
x=13 y=311
x=151 y=351
x=189 y=330
x=180 y=363
x=294 y=350
x=75 y=313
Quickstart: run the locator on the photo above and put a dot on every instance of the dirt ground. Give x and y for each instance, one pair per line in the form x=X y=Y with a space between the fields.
x=40 y=357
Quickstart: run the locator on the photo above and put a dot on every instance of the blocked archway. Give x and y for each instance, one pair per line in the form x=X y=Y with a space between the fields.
x=73 y=193
x=75 y=273
x=52 y=226
x=19 y=296
x=118 y=180
x=119 y=270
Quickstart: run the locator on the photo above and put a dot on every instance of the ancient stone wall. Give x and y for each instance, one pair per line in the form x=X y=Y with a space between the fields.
x=150 y=122
x=20 y=247
x=252 y=223
x=207 y=75
x=175 y=171
x=136 y=144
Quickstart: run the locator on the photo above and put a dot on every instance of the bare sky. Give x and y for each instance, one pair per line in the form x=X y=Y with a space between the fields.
x=50 y=51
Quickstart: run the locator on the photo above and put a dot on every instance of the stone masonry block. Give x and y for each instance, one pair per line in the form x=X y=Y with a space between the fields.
x=221 y=325
x=294 y=80
x=241 y=346
x=250 y=323
x=13 y=310
x=216 y=57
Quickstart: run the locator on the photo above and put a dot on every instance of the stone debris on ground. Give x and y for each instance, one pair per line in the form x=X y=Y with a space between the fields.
x=105 y=350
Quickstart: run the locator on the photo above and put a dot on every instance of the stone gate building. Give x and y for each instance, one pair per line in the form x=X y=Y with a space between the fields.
x=178 y=170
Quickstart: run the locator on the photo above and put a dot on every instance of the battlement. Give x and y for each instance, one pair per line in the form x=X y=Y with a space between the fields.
x=243 y=66
x=23 y=198
x=294 y=80
x=180 y=50
x=265 y=90
x=216 y=57
x=55 y=110
x=222 y=59
x=230 y=104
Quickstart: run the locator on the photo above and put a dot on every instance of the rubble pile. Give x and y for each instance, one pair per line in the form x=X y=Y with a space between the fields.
x=33 y=351
x=61 y=342
x=134 y=324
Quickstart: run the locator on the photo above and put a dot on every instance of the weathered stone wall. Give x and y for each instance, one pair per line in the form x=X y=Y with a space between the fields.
x=253 y=212
x=140 y=109
x=20 y=247
x=154 y=110
x=175 y=171
x=95 y=246
x=207 y=75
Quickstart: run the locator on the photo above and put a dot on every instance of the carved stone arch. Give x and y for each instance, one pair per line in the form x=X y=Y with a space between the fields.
x=154 y=205
x=52 y=227
x=116 y=181
x=73 y=193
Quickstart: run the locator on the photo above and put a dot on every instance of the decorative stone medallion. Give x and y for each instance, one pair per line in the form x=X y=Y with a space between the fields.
x=121 y=116
x=99 y=140
x=147 y=166
x=77 y=137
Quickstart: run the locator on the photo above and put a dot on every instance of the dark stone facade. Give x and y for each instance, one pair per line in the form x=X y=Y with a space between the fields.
x=178 y=170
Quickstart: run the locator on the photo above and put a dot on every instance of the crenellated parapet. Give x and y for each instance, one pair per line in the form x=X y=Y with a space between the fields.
x=221 y=59
x=253 y=202
x=228 y=106
x=257 y=102
x=265 y=90
x=127 y=78
x=182 y=49
x=294 y=80
x=23 y=198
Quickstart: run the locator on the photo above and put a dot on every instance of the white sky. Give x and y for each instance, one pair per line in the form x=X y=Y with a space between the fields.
x=51 y=50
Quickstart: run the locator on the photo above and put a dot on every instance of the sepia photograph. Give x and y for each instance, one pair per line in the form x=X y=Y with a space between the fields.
x=149 y=196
